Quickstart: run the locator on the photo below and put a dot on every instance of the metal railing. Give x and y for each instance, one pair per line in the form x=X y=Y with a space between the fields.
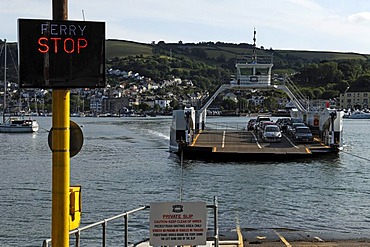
x=103 y=224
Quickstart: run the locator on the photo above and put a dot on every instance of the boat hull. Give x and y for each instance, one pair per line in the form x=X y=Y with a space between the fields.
x=24 y=126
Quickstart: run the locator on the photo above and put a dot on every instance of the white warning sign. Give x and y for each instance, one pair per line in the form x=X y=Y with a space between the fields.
x=178 y=223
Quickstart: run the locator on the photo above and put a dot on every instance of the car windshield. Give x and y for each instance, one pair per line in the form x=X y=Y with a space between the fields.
x=272 y=129
x=303 y=130
x=264 y=119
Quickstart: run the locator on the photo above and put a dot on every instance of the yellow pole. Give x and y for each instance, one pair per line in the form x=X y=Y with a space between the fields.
x=60 y=149
x=61 y=168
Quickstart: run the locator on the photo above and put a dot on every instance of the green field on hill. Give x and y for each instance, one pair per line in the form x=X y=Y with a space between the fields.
x=122 y=48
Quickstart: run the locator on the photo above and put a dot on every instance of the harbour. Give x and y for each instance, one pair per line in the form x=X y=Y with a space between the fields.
x=125 y=163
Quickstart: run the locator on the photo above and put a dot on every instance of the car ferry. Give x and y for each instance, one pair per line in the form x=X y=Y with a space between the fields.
x=190 y=136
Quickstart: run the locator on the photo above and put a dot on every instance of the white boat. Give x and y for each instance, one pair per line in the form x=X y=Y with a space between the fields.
x=19 y=125
x=15 y=124
x=358 y=115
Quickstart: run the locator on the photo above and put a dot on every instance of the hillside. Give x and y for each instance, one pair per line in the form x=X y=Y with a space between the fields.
x=121 y=48
x=218 y=50
x=207 y=64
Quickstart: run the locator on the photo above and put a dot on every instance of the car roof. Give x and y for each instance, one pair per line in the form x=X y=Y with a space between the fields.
x=302 y=127
x=300 y=124
x=271 y=125
x=274 y=125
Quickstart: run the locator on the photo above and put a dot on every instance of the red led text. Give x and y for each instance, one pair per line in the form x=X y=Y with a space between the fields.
x=67 y=45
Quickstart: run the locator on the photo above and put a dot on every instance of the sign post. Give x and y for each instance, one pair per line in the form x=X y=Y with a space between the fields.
x=60 y=152
x=59 y=54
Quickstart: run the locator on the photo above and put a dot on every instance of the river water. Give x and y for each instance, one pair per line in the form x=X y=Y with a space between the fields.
x=125 y=163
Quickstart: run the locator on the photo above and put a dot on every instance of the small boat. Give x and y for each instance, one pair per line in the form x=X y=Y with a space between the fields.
x=19 y=125
x=358 y=115
x=15 y=124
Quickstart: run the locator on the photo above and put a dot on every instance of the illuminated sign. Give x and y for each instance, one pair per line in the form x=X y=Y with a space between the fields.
x=61 y=54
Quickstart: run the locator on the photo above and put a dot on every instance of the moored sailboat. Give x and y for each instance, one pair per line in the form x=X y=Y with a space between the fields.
x=14 y=124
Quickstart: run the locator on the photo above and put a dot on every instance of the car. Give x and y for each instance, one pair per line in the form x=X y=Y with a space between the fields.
x=283 y=123
x=261 y=127
x=271 y=133
x=292 y=128
x=262 y=119
x=303 y=134
x=251 y=124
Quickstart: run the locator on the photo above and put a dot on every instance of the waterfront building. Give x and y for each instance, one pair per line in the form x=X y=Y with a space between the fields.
x=354 y=100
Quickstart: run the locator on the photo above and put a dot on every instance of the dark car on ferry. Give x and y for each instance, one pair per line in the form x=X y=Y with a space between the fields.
x=303 y=134
x=251 y=124
x=293 y=127
x=283 y=123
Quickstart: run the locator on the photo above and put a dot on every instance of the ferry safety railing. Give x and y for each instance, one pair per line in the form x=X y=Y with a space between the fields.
x=296 y=93
x=125 y=216
x=223 y=126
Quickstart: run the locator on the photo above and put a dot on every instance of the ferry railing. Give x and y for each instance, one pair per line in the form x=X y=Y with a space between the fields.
x=254 y=58
x=303 y=101
x=125 y=216
x=223 y=126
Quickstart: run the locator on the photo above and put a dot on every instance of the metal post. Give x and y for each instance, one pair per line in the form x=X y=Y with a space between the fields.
x=60 y=152
x=126 y=230
x=45 y=243
x=215 y=203
x=104 y=233
x=78 y=237
x=5 y=83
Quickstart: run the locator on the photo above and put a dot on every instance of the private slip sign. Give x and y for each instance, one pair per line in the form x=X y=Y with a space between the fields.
x=178 y=223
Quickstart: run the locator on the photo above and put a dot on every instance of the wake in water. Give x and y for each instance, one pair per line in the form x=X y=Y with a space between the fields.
x=159 y=134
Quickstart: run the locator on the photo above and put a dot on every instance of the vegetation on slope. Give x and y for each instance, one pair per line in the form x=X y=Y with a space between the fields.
x=209 y=64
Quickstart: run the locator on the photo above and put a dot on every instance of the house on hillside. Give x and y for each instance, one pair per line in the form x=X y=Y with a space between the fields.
x=257 y=100
x=163 y=103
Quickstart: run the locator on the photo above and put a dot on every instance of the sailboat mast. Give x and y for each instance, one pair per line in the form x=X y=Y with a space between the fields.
x=5 y=84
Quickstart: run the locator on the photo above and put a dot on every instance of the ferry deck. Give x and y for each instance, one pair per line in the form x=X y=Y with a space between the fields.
x=245 y=145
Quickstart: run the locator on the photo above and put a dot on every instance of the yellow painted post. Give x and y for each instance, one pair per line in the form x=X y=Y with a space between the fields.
x=60 y=150
x=61 y=168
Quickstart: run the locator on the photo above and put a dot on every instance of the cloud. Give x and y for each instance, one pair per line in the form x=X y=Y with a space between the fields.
x=306 y=5
x=360 y=18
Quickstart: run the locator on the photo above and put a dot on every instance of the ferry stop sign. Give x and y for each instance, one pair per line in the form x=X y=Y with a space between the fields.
x=61 y=54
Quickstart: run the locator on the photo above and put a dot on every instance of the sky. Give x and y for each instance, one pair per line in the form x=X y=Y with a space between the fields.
x=316 y=25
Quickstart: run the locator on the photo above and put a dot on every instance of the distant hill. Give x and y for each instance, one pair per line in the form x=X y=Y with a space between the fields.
x=122 y=48
x=221 y=51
